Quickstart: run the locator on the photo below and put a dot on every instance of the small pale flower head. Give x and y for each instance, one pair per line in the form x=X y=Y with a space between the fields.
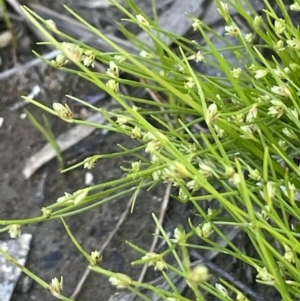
x=179 y=67
x=271 y=189
x=249 y=38
x=254 y=174
x=279 y=46
x=160 y=265
x=252 y=114
x=279 y=26
x=281 y=73
x=219 y=131
x=198 y=275
x=179 y=236
x=66 y=198
x=137 y=133
x=294 y=66
x=198 y=57
x=155 y=159
x=155 y=260
x=219 y=97
x=51 y=25
x=289 y=133
x=265 y=97
x=241 y=297
x=96 y=257
x=136 y=166
x=14 y=231
x=120 y=280
x=163 y=73
x=295 y=6
x=210 y=212
x=260 y=73
x=235 y=179
x=142 y=20
x=122 y=120
x=236 y=72
x=224 y=11
x=189 y=148
x=113 y=85
x=168 y=177
x=151 y=137
x=63 y=111
x=153 y=146
x=74 y=198
x=113 y=69
x=238 y=118
x=119 y=58
x=59 y=61
x=196 y=24
x=282 y=144
x=72 y=52
x=156 y=175
x=90 y=162
x=88 y=58
x=292 y=189
x=269 y=193
x=255 y=128
x=247 y=132
x=292 y=114
x=263 y=214
x=232 y=30
x=204 y=230
x=56 y=286
x=183 y=197
x=257 y=22
x=144 y=53
x=293 y=43
x=291 y=192
x=193 y=185
x=229 y=171
x=289 y=254
x=205 y=170
x=212 y=113
x=222 y=290
x=80 y=195
x=178 y=170
x=264 y=275
x=277 y=109
x=281 y=91
x=46 y=212
x=190 y=83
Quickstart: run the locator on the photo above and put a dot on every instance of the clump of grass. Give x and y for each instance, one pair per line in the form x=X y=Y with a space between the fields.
x=246 y=159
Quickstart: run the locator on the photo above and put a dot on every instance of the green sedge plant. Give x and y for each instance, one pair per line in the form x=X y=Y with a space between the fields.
x=246 y=158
